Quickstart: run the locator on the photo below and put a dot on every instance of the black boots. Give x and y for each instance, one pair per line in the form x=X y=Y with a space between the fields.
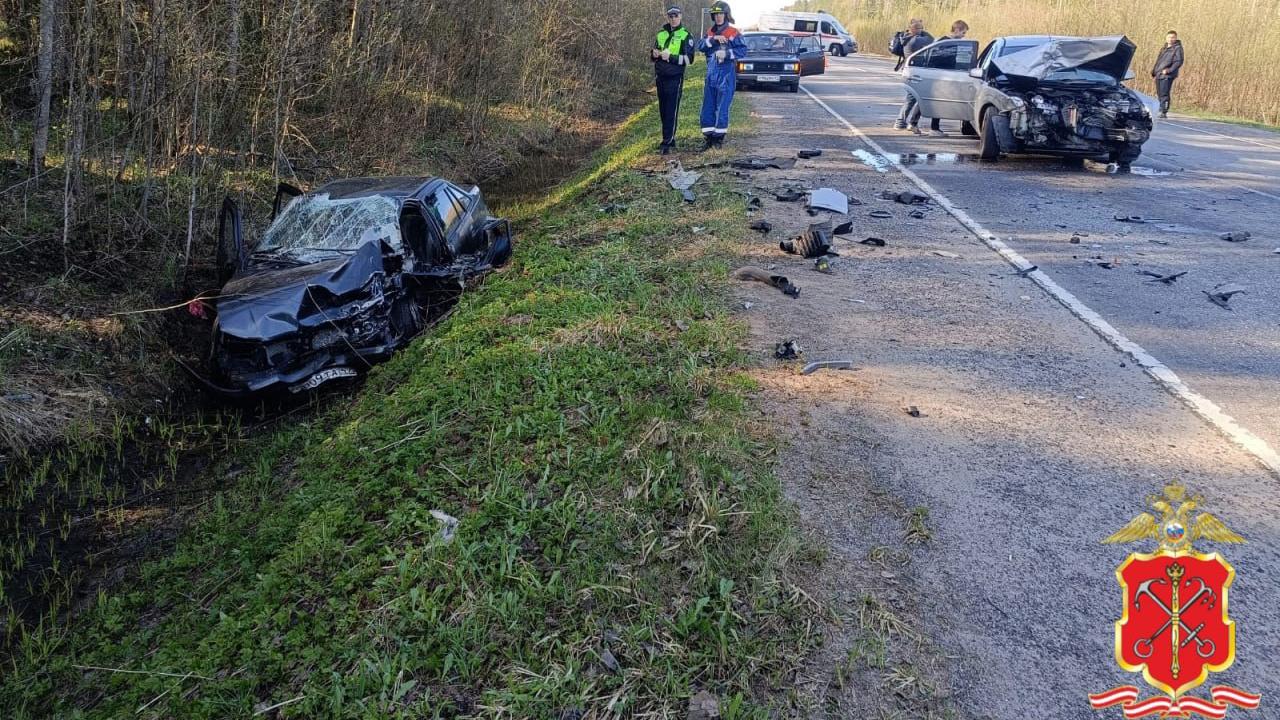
x=712 y=141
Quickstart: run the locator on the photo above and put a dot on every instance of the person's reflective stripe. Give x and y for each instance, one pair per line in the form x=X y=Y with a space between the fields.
x=709 y=130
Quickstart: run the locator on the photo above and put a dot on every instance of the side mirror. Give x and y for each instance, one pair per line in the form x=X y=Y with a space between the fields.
x=975 y=73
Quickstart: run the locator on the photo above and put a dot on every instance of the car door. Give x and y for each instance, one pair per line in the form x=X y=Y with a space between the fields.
x=939 y=77
x=829 y=35
x=813 y=61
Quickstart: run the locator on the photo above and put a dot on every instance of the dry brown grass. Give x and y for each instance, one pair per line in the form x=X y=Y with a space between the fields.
x=1232 y=46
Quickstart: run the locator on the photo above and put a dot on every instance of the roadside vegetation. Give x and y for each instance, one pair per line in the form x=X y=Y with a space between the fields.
x=553 y=504
x=1230 y=45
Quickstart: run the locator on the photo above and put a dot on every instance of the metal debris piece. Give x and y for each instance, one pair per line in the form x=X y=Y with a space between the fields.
x=1027 y=271
x=688 y=196
x=914 y=411
x=945 y=254
x=906 y=197
x=882 y=214
x=759 y=163
x=1223 y=293
x=917 y=214
x=807 y=154
x=812 y=243
x=1139 y=219
x=872 y=241
x=787 y=350
x=764 y=227
x=827 y=365
x=778 y=281
x=788 y=194
x=843 y=228
x=1235 y=236
x=828 y=199
x=681 y=179
x=1166 y=279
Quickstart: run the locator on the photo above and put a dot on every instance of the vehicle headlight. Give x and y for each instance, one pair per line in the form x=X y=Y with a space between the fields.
x=1017 y=102
x=746 y=67
x=789 y=67
x=326 y=337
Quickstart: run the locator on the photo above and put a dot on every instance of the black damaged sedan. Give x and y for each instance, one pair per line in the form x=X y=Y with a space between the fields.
x=342 y=277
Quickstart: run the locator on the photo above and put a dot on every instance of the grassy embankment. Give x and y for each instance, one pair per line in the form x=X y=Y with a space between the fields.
x=621 y=542
x=1230 y=45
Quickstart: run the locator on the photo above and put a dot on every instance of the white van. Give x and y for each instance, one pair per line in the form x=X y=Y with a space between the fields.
x=834 y=37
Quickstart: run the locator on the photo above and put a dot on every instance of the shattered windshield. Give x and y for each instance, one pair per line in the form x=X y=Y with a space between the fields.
x=319 y=223
x=771 y=44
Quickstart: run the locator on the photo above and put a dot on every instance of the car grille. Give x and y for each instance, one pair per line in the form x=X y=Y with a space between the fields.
x=767 y=67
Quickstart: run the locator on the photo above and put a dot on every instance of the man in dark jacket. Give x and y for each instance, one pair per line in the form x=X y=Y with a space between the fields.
x=917 y=38
x=672 y=52
x=1166 y=70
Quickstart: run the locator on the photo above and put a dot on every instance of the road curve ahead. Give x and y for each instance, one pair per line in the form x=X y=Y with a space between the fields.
x=1195 y=181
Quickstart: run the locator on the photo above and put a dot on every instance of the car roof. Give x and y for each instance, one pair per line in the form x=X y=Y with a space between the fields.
x=395 y=186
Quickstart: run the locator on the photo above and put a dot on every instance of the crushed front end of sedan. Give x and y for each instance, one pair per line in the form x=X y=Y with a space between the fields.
x=341 y=278
x=1064 y=96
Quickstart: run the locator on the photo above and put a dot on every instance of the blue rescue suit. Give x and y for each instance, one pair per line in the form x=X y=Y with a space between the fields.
x=722 y=78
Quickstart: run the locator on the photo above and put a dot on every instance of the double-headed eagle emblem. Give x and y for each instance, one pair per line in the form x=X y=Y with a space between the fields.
x=1175 y=529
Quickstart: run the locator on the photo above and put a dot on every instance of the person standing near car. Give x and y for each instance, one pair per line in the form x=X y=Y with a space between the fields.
x=722 y=45
x=1168 y=63
x=917 y=39
x=959 y=29
x=672 y=52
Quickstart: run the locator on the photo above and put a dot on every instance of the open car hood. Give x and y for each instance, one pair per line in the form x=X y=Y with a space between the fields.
x=271 y=304
x=1110 y=55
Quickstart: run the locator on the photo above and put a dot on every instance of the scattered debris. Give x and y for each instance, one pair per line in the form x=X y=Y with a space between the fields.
x=788 y=194
x=758 y=163
x=872 y=241
x=764 y=227
x=823 y=264
x=681 y=179
x=882 y=214
x=843 y=228
x=778 y=281
x=754 y=203
x=1075 y=240
x=1105 y=265
x=448 y=525
x=806 y=154
x=1276 y=251
x=916 y=214
x=827 y=365
x=688 y=196
x=788 y=350
x=1166 y=279
x=613 y=208
x=1158 y=242
x=812 y=243
x=1223 y=293
x=748 y=305
x=945 y=254
x=906 y=197
x=697 y=229
x=828 y=199
x=914 y=412
x=1235 y=236
x=1139 y=219
x=1027 y=271
x=703 y=706
x=609 y=661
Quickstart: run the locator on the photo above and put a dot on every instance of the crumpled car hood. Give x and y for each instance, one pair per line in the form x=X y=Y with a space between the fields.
x=1111 y=55
x=271 y=304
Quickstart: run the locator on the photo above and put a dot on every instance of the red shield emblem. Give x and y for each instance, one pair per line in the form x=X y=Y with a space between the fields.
x=1174 y=628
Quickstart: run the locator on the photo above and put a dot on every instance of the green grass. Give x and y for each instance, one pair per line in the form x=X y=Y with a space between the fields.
x=1205 y=115
x=621 y=542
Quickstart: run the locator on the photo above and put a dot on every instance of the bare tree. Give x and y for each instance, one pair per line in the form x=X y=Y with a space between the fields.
x=44 y=86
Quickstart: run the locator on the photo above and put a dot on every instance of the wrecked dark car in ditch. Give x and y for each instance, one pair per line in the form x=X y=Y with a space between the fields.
x=1036 y=94
x=341 y=278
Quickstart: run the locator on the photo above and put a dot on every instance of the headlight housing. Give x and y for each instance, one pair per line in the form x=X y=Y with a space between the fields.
x=1041 y=104
x=746 y=67
x=789 y=67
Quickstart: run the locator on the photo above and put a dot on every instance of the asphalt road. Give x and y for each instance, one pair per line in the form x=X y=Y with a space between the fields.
x=1195 y=180
x=1038 y=437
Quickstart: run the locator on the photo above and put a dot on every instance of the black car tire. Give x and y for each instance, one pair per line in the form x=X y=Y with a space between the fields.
x=966 y=129
x=837 y=50
x=794 y=88
x=406 y=317
x=1125 y=155
x=988 y=142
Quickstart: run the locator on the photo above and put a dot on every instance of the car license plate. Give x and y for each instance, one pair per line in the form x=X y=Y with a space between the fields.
x=321 y=377
x=768 y=78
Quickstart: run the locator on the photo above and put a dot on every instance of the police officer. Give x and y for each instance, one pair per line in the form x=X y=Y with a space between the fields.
x=723 y=45
x=672 y=51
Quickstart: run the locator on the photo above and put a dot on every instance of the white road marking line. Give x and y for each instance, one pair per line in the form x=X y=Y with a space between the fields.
x=1251 y=141
x=1199 y=404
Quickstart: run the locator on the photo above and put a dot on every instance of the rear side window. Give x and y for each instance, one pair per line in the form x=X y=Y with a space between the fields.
x=446 y=209
x=807 y=26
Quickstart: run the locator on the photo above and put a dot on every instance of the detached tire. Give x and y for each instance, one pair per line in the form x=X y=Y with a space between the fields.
x=967 y=129
x=988 y=142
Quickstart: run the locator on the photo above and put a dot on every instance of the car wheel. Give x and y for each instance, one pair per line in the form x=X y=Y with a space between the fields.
x=988 y=143
x=406 y=317
x=966 y=129
x=837 y=50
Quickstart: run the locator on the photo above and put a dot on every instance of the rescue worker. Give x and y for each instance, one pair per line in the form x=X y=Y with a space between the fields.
x=672 y=51
x=723 y=45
